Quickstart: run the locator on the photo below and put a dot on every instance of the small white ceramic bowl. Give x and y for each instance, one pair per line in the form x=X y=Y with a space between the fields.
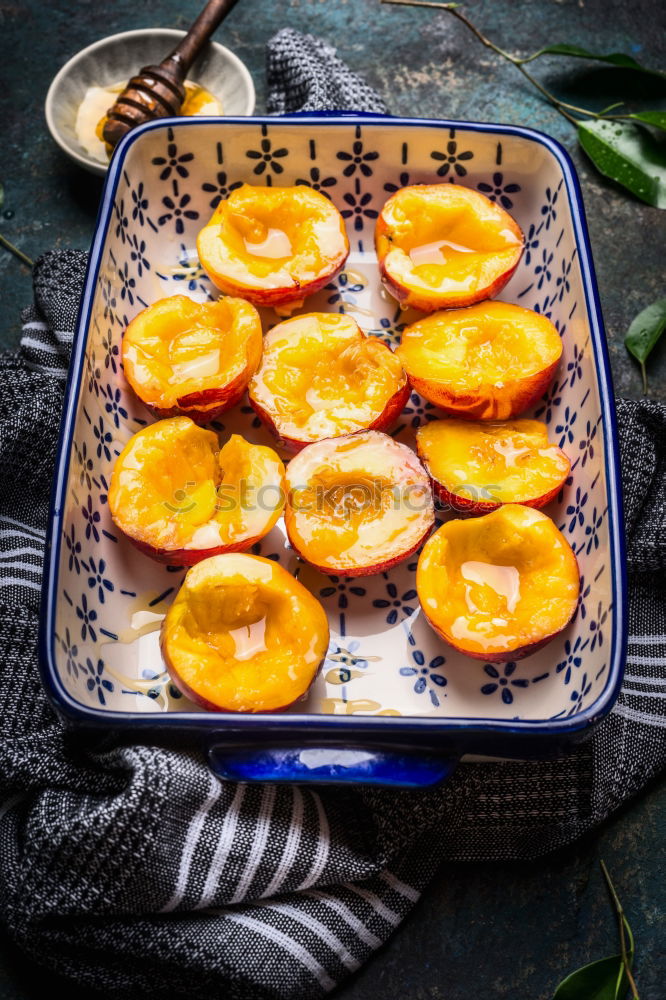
x=121 y=56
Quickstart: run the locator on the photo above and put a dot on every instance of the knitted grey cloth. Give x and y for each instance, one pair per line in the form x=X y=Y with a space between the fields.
x=304 y=74
x=134 y=871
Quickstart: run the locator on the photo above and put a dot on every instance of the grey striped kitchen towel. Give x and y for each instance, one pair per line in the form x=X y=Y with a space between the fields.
x=134 y=872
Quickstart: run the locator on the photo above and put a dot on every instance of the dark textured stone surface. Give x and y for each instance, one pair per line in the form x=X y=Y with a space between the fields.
x=497 y=932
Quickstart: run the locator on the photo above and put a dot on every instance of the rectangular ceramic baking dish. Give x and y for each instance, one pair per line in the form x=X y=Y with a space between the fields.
x=392 y=703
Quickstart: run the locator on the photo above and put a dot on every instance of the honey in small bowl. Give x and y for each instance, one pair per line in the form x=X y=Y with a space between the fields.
x=92 y=113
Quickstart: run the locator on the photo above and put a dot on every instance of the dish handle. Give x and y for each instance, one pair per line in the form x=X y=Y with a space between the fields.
x=330 y=765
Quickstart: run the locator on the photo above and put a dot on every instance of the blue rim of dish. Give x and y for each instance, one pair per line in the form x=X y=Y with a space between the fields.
x=416 y=725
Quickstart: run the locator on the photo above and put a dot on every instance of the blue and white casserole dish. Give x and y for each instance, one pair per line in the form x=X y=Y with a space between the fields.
x=392 y=703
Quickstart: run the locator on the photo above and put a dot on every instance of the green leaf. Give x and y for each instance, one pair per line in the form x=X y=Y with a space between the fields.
x=618 y=59
x=597 y=981
x=604 y=979
x=644 y=333
x=655 y=118
x=629 y=155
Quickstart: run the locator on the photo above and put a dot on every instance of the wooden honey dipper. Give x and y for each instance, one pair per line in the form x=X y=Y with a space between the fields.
x=158 y=91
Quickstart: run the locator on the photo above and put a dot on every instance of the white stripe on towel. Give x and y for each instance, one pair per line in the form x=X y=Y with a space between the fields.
x=348 y=916
x=322 y=849
x=21 y=564
x=191 y=840
x=293 y=947
x=647 y=640
x=317 y=928
x=258 y=843
x=644 y=717
x=375 y=902
x=291 y=846
x=408 y=891
x=25 y=551
x=219 y=859
x=23 y=527
x=638 y=679
x=7 y=580
x=41 y=345
x=645 y=694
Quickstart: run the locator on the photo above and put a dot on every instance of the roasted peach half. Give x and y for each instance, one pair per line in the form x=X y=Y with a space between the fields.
x=478 y=466
x=243 y=635
x=441 y=246
x=192 y=358
x=498 y=587
x=180 y=498
x=488 y=362
x=357 y=505
x=322 y=377
x=273 y=245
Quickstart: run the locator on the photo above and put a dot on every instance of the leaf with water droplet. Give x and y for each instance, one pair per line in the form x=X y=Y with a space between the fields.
x=617 y=59
x=629 y=155
x=644 y=333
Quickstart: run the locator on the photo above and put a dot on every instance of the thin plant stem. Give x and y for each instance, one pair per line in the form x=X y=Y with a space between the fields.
x=15 y=250
x=562 y=106
x=535 y=55
x=558 y=105
x=451 y=9
x=623 y=940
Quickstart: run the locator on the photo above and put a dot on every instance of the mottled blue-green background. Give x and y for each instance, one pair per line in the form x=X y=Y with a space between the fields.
x=483 y=932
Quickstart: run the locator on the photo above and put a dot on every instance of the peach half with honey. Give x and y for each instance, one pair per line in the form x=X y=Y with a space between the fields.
x=322 y=377
x=179 y=497
x=242 y=635
x=357 y=505
x=273 y=245
x=498 y=587
x=487 y=362
x=476 y=466
x=441 y=246
x=192 y=358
